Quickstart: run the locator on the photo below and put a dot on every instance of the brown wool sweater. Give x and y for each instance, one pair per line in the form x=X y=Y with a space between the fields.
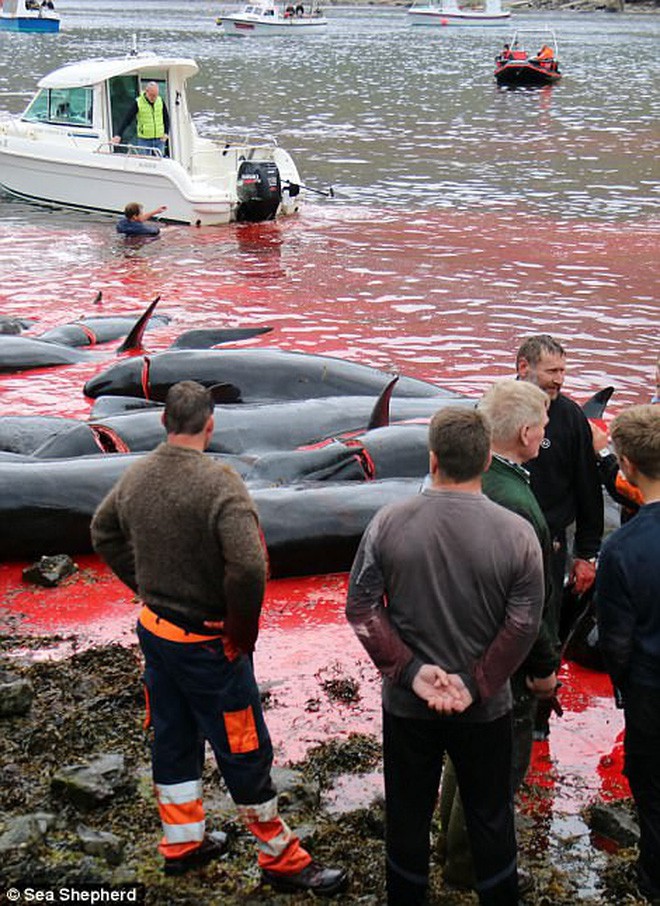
x=181 y=530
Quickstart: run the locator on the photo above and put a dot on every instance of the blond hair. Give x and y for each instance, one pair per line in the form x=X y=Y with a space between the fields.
x=511 y=405
x=635 y=434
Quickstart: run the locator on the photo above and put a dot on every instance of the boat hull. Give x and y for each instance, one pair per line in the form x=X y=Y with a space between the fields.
x=436 y=18
x=41 y=24
x=103 y=182
x=243 y=26
x=525 y=75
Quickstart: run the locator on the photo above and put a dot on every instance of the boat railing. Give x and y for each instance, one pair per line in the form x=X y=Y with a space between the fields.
x=119 y=148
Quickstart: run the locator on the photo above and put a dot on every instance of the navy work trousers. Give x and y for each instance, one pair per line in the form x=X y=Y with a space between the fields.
x=642 y=768
x=192 y=688
x=413 y=751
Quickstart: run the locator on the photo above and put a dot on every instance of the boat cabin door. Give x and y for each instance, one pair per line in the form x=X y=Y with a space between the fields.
x=124 y=90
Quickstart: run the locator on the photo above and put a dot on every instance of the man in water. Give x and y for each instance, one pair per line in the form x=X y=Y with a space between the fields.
x=180 y=530
x=136 y=223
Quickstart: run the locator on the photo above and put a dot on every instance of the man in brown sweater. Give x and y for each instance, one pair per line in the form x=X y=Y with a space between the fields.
x=446 y=594
x=182 y=532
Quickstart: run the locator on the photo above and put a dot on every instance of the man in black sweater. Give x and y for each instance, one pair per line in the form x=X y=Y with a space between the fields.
x=564 y=476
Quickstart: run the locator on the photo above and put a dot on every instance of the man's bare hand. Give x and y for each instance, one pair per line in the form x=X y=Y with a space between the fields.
x=583 y=576
x=542 y=688
x=443 y=692
x=429 y=682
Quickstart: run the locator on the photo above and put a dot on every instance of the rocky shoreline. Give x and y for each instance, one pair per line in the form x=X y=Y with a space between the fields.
x=76 y=806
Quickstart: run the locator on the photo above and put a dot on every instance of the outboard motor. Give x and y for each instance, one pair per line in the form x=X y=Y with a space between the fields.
x=259 y=189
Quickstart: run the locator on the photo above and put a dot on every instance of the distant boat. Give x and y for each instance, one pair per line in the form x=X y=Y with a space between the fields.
x=28 y=15
x=516 y=68
x=447 y=12
x=262 y=17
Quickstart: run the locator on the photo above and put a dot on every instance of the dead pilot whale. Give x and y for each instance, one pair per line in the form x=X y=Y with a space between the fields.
x=250 y=375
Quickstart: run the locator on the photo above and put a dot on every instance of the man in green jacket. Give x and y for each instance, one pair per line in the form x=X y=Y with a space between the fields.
x=517 y=412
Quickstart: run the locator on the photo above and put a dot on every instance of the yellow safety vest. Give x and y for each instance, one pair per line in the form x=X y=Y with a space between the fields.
x=150 y=120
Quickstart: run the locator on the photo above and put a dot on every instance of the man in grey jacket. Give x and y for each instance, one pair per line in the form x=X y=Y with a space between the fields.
x=446 y=595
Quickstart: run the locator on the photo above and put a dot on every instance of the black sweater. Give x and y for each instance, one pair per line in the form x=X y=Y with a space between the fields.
x=565 y=477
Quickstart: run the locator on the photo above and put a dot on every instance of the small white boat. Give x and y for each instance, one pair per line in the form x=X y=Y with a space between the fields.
x=262 y=17
x=448 y=12
x=61 y=150
x=28 y=15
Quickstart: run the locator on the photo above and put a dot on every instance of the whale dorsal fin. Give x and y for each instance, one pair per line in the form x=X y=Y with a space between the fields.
x=380 y=414
x=133 y=341
x=595 y=405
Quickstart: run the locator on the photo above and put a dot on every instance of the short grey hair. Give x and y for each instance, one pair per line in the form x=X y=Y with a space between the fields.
x=534 y=347
x=511 y=405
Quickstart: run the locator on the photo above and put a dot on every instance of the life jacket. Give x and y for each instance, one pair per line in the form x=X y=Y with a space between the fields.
x=150 y=119
x=545 y=53
x=631 y=494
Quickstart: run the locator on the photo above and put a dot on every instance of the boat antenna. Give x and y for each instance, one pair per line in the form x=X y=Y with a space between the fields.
x=134 y=50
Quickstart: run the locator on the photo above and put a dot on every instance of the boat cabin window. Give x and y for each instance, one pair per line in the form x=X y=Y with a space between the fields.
x=124 y=90
x=62 y=106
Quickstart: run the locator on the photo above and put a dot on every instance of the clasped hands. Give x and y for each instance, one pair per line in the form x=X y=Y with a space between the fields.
x=443 y=692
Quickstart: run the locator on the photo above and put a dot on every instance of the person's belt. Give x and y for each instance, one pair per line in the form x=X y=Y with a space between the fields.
x=162 y=628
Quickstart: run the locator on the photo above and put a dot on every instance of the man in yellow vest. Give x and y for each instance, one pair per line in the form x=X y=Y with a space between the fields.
x=152 y=121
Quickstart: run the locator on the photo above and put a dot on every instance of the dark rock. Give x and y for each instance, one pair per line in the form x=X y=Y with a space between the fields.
x=16 y=695
x=614 y=821
x=101 y=843
x=88 y=786
x=49 y=571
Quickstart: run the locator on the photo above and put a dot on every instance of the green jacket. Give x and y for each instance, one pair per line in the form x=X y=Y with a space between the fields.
x=508 y=484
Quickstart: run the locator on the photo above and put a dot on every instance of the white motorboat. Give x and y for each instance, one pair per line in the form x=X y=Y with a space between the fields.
x=262 y=17
x=28 y=15
x=448 y=12
x=61 y=150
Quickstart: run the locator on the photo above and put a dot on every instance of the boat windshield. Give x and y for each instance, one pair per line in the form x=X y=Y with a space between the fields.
x=62 y=106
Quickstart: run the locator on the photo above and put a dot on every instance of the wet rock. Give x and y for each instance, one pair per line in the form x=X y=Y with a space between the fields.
x=101 y=843
x=50 y=571
x=25 y=832
x=88 y=786
x=16 y=694
x=614 y=821
x=294 y=791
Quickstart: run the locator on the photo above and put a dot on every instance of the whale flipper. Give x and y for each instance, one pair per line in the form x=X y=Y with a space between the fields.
x=206 y=337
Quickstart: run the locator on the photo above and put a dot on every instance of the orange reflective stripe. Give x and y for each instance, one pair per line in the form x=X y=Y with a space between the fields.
x=176 y=850
x=290 y=862
x=147 y=704
x=185 y=813
x=241 y=731
x=267 y=830
x=166 y=630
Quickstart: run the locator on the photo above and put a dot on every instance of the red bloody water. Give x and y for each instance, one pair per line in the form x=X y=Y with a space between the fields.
x=436 y=295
